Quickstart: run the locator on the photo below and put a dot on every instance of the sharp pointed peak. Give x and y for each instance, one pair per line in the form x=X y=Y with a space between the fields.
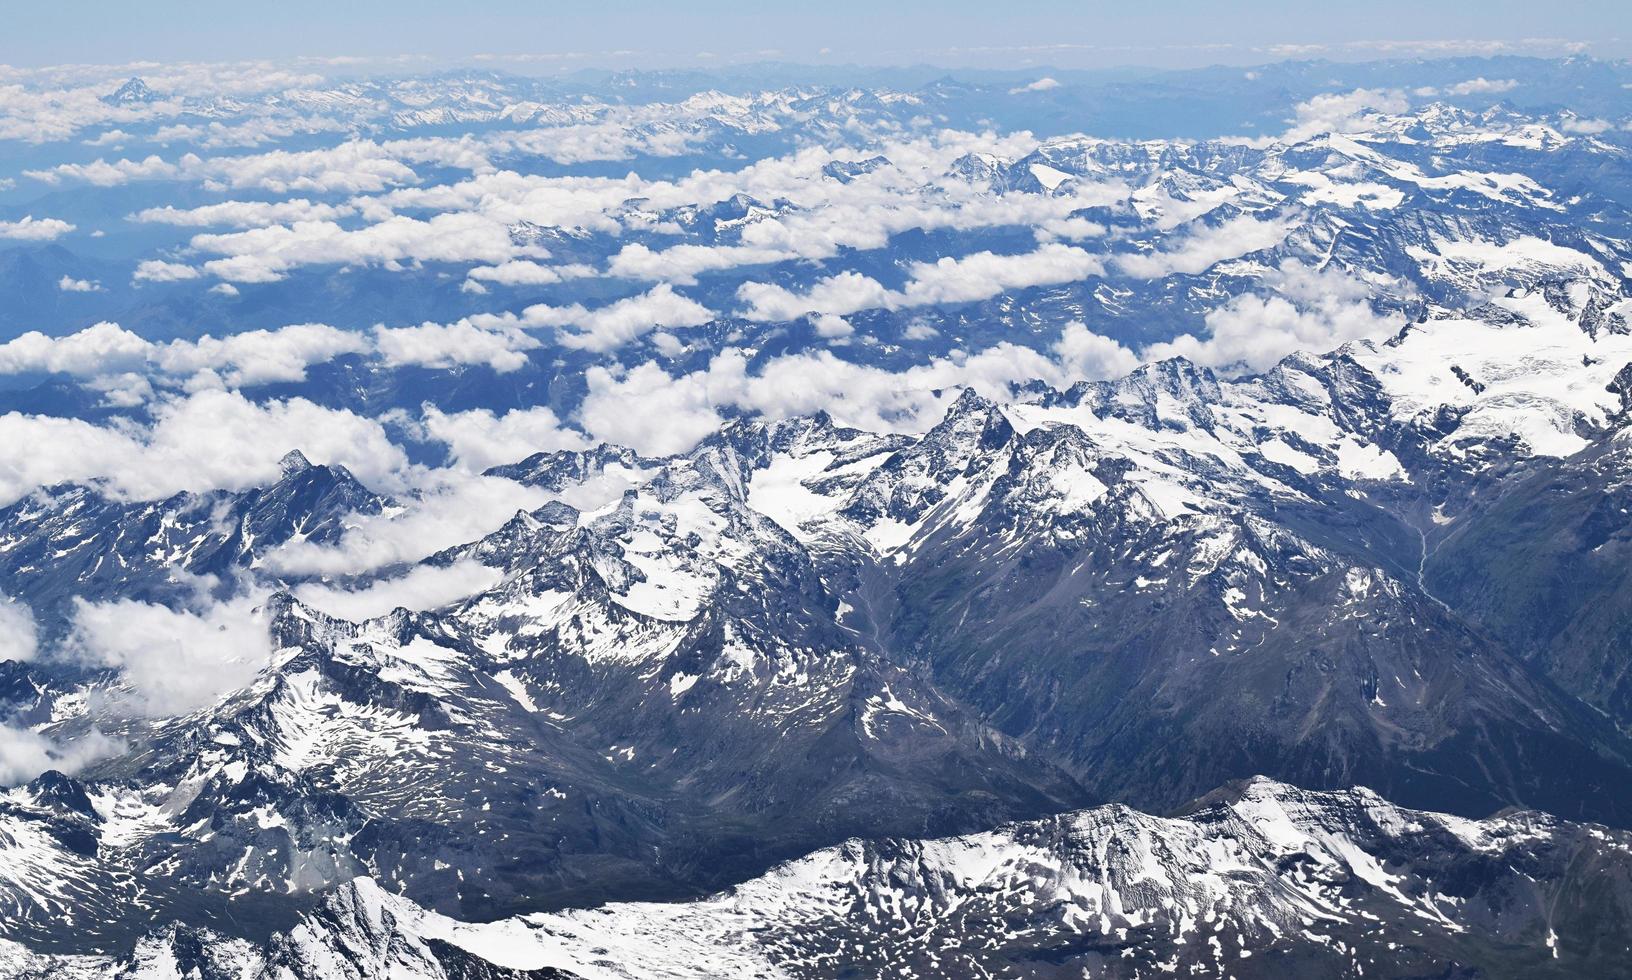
x=970 y=400
x=294 y=461
x=134 y=89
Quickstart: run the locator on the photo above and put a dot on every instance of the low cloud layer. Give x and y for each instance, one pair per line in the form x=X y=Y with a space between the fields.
x=965 y=279
x=203 y=441
x=1306 y=310
x=420 y=588
x=25 y=753
x=1207 y=246
x=19 y=636
x=478 y=439
x=658 y=413
x=172 y=661
x=449 y=508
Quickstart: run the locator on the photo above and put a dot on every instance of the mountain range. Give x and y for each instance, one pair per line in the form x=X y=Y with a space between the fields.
x=639 y=525
x=801 y=633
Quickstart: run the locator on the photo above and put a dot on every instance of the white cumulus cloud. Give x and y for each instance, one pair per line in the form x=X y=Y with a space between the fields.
x=32 y=229
x=25 y=754
x=962 y=279
x=479 y=439
x=207 y=440
x=172 y=661
x=420 y=588
x=19 y=635
x=1306 y=311
x=1043 y=84
x=1207 y=246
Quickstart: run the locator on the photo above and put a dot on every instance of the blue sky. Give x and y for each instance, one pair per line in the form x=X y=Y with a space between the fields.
x=644 y=33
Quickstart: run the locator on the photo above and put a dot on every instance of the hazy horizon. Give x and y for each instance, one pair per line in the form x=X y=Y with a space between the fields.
x=1187 y=34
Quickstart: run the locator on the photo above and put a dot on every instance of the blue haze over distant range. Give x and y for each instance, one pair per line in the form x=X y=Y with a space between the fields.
x=554 y=36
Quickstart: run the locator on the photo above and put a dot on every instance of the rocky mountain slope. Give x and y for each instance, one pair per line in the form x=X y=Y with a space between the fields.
x=1255 y=880
x=968 y=674
x=801 y=632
